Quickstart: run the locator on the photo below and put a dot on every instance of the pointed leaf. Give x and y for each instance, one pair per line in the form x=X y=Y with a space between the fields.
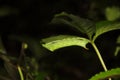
x=56 y=42
x=85 y=26
x=108 y=74
x=105 y=26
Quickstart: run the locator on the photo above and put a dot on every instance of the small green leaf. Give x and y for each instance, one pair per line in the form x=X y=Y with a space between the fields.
x=105 y=26
x=84 y=26
x=108 y=74
x=56 y=42
x=118 y=47
x=112 y=13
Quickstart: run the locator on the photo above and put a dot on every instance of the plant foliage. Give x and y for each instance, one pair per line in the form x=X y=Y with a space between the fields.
x=46 y=45
x=113 y=73
x=112 y=13
x=84 y=26
x=56 y=42
x=105 y=26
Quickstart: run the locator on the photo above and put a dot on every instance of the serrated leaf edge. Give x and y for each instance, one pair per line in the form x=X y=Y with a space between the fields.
x=65 y=42
x=106 y=74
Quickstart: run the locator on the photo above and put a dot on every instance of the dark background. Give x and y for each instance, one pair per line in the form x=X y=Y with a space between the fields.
x=32 y=17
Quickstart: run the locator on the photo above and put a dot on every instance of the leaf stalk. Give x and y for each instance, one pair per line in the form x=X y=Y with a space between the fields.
x=100 y=57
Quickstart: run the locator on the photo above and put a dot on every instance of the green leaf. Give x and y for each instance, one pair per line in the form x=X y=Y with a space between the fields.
x=118 y=47
x=112 y=13
x=85 y=26
x=105 y=26
x=57 y=42
x=108 y=74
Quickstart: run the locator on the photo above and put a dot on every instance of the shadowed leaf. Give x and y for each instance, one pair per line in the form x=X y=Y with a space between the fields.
x=112 y=13
x=105 y=26
x=85 y=26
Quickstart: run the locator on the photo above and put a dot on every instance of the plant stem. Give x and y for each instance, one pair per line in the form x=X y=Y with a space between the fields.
x=100 y=57
x=20 y=72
